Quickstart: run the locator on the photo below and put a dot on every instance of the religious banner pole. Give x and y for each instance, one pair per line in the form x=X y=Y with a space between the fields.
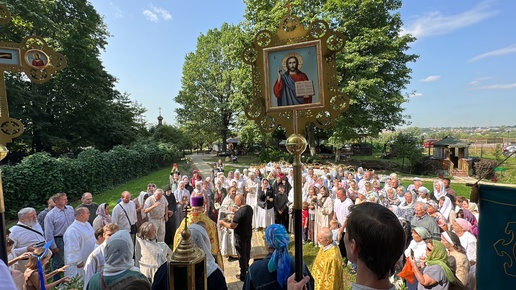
x=39 y=62
x=295 y=85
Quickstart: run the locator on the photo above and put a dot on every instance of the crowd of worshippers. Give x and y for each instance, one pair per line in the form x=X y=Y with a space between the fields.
x=135 y=240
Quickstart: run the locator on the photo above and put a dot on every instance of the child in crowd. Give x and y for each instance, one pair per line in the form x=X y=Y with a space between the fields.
x=371 y=195
x=334 y=227
x=304 y=220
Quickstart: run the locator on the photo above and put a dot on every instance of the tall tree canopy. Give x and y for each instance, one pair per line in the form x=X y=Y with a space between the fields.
x=214 y=84
x=80 y=106
x=372 y=69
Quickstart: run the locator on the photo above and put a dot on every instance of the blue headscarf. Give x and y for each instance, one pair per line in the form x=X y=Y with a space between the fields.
x=277 y=237
x=40 y=268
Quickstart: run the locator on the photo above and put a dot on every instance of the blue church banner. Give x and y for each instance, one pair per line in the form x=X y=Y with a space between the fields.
x=496 y=245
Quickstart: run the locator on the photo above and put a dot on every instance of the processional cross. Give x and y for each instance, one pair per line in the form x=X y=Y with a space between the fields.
x=39 y=62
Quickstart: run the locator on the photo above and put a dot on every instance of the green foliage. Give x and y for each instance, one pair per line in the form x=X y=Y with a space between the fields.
x=372 y=69
x=405 y=146
x=39 y=176
x=270 y=154
x=214 y=84
x=485 y=168
x=76 y=283
x=80 y=106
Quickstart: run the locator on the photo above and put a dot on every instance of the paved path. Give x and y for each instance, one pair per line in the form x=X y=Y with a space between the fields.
x=258 y=250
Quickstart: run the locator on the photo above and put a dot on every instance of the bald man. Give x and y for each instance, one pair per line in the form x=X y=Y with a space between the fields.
x=242 y=225
x=124 y=213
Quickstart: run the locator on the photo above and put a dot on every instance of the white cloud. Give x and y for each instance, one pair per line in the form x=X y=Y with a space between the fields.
x=156 y=14
x=498 y=52
x=496 y=87
x=150 y=16
x=429 y=79
x=478 y=81
x=162 y=12
x=435 y=23
x=415 y=95
x=118 y=12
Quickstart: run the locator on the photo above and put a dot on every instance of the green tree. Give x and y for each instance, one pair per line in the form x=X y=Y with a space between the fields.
x=407 y=146
x=80 y=106
x=372 y=69
x=214 y=84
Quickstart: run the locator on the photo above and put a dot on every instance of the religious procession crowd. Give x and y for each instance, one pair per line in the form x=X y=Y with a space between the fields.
x=131 y=245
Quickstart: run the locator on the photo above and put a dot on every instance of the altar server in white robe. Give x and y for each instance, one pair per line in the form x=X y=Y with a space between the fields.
x=95 y=261
x=79 y=242
x=150 y=254
x=251 y=188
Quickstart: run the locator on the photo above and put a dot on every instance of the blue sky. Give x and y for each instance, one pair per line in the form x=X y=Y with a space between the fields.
x=465 y=76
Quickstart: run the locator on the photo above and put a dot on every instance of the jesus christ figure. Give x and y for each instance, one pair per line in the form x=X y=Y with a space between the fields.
x=285 y=87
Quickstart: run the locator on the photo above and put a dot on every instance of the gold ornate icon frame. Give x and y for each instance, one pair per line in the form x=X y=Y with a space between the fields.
x=269 y=51
x=16 y=57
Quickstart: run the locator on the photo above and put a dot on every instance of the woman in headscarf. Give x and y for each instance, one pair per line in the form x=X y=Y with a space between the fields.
x=170 y=224
x=35 y=277
x=323 y=212
x=417 y=249
x=215 y=276
x=150 y=254
x=462 y=228
x=439 y=190
x=467 y=215
x=446 y=208
x=457 y=260
x=406 y=207
x=272 y=272
x=119 y=264
x=436 y=273
x=103 y=217
x=359 y=174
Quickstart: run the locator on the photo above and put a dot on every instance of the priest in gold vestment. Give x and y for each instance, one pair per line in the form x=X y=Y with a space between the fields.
x=328 y=271
x=195 y=216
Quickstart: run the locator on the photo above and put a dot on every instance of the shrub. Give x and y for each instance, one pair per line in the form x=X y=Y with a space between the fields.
x=426 y=166
x=37 y=177
x=485 y=168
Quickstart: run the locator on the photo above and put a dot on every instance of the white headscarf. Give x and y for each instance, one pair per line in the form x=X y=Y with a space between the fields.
x=141 y=202
x=201 y=240
x=119 y=253
x=440 y=193
x=446 y=208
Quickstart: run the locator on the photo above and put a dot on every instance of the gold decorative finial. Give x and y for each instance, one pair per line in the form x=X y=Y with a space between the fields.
x=289 y=6
x=186 y=251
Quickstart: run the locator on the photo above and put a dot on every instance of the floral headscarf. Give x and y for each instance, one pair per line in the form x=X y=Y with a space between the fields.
x=101 y=211
x=277 y=237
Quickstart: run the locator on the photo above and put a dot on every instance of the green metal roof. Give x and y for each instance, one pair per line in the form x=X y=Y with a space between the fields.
x=452 y=142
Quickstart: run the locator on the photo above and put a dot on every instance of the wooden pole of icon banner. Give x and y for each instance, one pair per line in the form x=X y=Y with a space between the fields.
x=39 y=62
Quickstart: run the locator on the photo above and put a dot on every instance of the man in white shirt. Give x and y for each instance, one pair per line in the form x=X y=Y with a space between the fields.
x=26 y=234
x=124 y=213
x=156 y=207
x=95 y=261
x=79 y=242
x=341 y=212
